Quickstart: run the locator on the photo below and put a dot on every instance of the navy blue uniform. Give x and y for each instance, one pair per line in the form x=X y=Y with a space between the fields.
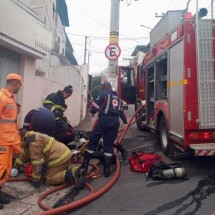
x=40 y=120
x=109 y=108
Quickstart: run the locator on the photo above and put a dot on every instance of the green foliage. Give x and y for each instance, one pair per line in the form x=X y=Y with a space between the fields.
x=96 y=86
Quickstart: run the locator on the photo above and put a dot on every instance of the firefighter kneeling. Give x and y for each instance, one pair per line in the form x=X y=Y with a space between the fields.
x=49 y=158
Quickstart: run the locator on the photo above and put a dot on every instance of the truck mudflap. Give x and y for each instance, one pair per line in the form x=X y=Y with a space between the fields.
x=205 y=149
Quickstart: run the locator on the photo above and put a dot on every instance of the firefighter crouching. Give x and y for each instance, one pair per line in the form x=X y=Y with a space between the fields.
x=55 y=102
x=50 y=160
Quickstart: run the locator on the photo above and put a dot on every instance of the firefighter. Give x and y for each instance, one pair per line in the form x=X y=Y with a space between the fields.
x=41 y=120
x=109 y=108
x=49 y=158
x=9 y=134
x=119 y=147
x=64 y=132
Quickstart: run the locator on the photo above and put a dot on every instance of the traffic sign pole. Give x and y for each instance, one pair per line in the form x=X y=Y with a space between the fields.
x=114 y=38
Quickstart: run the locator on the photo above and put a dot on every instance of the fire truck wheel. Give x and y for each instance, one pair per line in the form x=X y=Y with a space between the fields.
x=164 y=135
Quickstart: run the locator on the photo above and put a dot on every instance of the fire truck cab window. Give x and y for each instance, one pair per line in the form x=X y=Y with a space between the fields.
x=124 y=77
x=127 y=77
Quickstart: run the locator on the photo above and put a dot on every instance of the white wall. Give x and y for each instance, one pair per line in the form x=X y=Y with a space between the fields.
x=22 y=24
x=36 y=89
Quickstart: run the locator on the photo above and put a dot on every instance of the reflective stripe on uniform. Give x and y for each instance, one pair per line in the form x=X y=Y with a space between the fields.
x=48 y=146
x=107 y=154
x=60 y=107
x=3 y=149
x=48 y=102
x=18 y=162
x=54 y=105
x=36 y=177
x=38 y=161
x=64 y=155
x=120 y=104
x=26 y=124
x=95 y=105
x=53 y=108
x=107 y=104
x=7 y=121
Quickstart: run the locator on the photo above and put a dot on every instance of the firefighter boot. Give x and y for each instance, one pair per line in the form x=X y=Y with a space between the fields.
x=85 y=162
x=3 y=199
x=123 y=151
x=107 y=165
x=77 y=176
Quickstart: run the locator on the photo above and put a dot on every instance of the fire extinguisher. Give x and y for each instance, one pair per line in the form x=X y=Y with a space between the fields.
x=28 y=169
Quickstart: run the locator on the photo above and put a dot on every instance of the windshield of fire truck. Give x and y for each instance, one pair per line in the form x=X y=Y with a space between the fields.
x=127 y=76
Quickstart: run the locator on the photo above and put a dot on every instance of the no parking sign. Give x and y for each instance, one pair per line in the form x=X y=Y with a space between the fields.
x=112 y=51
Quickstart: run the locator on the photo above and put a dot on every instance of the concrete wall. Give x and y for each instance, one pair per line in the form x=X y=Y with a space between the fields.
x=37 y=88
x=44 y=10
x=18 y=22
x=41 y=78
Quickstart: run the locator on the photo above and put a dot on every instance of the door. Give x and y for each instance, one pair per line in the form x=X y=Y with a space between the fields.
x=126 y=84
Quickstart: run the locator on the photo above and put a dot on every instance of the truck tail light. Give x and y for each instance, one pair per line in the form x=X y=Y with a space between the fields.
x=204 y=135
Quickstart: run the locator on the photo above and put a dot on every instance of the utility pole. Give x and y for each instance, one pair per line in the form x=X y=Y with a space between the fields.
x=114 y=39
x=85 y=50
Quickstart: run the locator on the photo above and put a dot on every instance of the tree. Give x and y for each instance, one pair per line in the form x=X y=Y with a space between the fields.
x=96 y=86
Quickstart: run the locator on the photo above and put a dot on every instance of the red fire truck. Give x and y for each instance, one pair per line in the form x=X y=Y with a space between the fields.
x=175 y=84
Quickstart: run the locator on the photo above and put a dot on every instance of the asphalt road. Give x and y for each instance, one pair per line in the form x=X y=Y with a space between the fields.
x=133 y=195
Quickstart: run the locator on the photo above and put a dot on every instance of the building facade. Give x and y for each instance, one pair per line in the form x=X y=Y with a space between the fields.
x=33 y=43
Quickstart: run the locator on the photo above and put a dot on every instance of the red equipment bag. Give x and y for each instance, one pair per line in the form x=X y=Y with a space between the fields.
x=142 y=162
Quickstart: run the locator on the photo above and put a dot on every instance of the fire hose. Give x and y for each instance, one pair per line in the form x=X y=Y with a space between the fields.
x=93 y=195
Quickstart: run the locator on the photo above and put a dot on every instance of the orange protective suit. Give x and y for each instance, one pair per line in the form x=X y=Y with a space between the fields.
x=9 y=133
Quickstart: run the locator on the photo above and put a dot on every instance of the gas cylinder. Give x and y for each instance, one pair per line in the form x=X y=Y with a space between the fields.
x=28 y=169
x=179 y=172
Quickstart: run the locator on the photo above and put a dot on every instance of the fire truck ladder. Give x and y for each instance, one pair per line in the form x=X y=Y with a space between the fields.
x=205 y=70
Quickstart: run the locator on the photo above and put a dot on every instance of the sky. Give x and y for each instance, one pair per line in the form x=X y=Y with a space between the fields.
x=90 y=24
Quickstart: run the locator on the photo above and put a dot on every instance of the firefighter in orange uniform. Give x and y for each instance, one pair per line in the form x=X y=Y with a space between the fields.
x=49 y=158
x=9 y=134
